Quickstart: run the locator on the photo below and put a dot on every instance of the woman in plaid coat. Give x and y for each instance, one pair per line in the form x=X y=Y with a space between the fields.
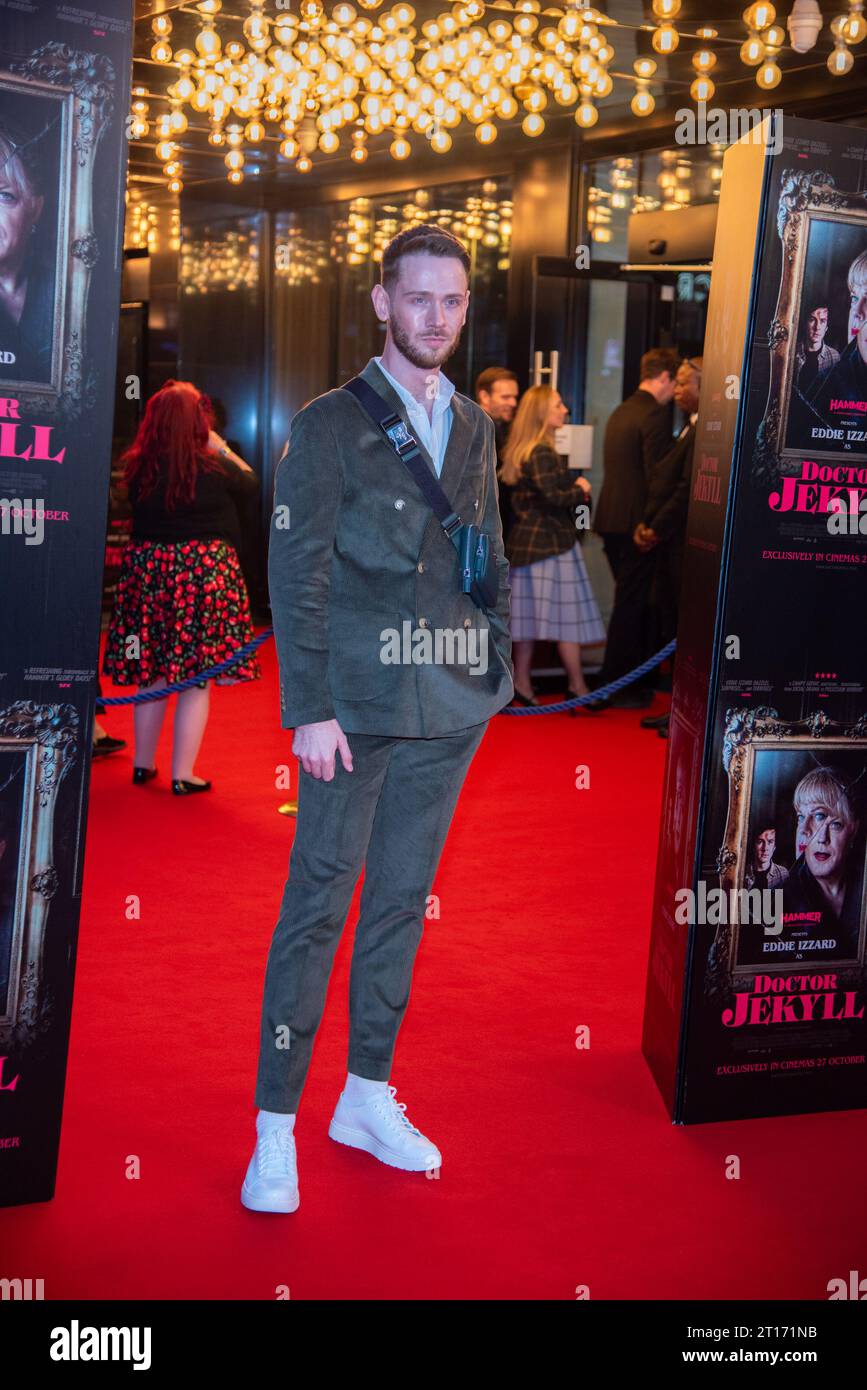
x=552 y=600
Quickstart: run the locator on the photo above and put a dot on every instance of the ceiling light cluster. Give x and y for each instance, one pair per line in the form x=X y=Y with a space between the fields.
x=145 y=221
x=229 y=260
x=762 y=46
x=615 y=187
x=316 y=82
x=361 y=236
x=481 y=221
x=226 y=261
x=847 y=29
x=141 y=228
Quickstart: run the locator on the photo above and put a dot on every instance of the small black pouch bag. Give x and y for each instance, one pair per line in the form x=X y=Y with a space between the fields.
x=478 y=563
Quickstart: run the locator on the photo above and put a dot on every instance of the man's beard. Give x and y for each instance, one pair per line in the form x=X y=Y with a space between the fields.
x=413 y=354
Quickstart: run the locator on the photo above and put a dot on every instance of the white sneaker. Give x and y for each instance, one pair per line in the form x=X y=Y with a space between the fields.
x=381 y=1128
x=271 y=1183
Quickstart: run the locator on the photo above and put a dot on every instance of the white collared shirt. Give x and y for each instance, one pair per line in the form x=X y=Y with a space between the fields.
x=431 y=432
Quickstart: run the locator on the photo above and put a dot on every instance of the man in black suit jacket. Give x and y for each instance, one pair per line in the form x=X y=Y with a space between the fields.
x=497 y=394
x=638 y=435
x=662 y=529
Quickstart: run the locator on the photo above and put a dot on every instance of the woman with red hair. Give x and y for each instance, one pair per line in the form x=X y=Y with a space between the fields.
x=181 y=603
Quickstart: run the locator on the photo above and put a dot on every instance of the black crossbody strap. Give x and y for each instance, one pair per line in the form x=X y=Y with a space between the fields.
x=405 y=445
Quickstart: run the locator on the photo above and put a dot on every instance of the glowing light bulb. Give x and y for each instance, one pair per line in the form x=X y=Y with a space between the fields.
x=854 y=26
x=753 y=51
x=255 y=26
x=208 y=43
x=644 y=67
x=760 y=15
x=768 y=76
x=840 y=60
x=665 y=38
x=702 y=89
x=643 y=102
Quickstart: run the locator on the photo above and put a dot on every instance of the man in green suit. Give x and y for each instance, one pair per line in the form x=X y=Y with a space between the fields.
x=388 y=675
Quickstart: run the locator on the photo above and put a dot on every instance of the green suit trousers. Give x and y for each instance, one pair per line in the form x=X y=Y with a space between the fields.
x=391 y=814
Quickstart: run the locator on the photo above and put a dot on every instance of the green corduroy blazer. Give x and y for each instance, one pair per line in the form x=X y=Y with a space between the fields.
x=356 y=553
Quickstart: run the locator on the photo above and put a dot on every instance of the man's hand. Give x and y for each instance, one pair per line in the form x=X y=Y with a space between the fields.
x=314 y=745
x=582 y=484
x=644 y=537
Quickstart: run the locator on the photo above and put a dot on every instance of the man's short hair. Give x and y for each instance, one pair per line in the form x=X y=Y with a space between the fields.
x=423 y=239
x=487 y=379
x=657 y=361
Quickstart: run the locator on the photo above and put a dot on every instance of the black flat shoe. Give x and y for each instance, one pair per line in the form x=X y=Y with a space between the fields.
x=519 y=699
x=594 y=706
x=632 y=697
x=107 y=744
x=653 y=721
x=143 y=774
x=182 y=788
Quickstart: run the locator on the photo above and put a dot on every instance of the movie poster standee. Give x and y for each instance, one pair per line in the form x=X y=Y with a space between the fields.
x=757 y=985
x=64 y=100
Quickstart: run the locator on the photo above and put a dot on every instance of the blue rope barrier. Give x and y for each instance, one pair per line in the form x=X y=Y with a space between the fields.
x=601 y=694
x=242 y=652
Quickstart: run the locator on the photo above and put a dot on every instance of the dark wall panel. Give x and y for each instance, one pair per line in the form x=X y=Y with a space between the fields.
x=542 y=220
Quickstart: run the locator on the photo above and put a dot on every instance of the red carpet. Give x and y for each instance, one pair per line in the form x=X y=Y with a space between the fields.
x=560 y=1167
